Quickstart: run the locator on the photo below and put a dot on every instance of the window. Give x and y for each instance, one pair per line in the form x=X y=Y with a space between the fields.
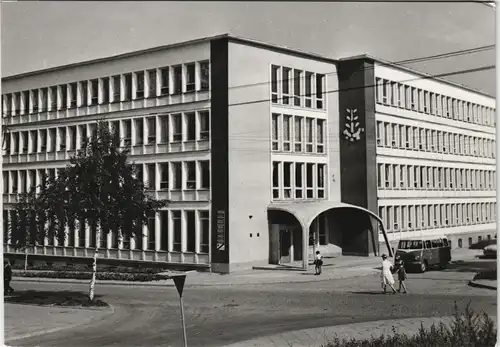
x=274 y=130
x=177 y=175
x=151 y=232
x=308 y=89
x=309 y=135
x=7 y=100
x=190 y=231
x=274 y=83
x=309 y=180
x=204 y=231
x=43 y=100
x=73 y=87
x=151 y=182
x=319 y=90
x=35 y=100
x=164 y=230
x=164 y=81
x=72 y=137
x=106 y=96
x=139 y=131
x=287 y=182
x=204 y=125
x=204 y=75
x=127 y=129
x=52 y=136
x=190 y=119
x=176 y=218
x=190 y=78
x=152 y=83
x=298 y=134
x=190 y=175
x=139 y=91
x=177 y=79
x=94 y=92
x=164 y=176
x=205 y=174
x=128 y=87
x=116 y=88
x=177 y=127
x=285 y=85
x=43 y=140
x=34 y=141
x=286 y=133
x=320 y=147
x=163 y=128
x=298 y=180
x=64 y=97
x=62 y=136
x=297 y=78
x=321 y=181
x=276 y=179
x=151 y=123
x=84 y=93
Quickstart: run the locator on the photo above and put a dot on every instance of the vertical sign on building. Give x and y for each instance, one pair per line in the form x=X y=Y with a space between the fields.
x=221 y=230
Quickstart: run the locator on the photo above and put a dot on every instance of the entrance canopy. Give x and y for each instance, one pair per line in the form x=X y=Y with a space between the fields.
x=306 y=212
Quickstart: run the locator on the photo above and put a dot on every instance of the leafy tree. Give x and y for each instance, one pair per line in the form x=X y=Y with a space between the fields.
x=99 y=188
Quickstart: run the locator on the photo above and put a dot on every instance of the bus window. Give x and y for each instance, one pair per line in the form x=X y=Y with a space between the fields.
x=428 y=244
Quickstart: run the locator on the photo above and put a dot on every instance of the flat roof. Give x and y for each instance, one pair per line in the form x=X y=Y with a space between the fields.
x=413 y=71
x=230 y=37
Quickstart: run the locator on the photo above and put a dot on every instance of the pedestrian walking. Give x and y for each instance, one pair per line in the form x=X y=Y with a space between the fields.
x=386 y=275
x=401 y=272
x=318 y=262
x=7 y=277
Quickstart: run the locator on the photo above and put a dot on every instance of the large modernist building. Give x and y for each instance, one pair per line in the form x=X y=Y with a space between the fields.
x=265 y=153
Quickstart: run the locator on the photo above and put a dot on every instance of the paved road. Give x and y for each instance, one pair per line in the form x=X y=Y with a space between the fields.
x=149 y=316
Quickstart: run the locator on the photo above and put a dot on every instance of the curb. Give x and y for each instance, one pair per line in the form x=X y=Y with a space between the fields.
x=479 y=285
x=54 y=330
x=153 y=284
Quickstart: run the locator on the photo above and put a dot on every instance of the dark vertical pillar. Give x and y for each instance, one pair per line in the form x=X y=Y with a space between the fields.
x=219 y=146
x=358 y=137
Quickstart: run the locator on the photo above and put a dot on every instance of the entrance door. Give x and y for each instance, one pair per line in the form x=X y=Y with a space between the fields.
x=285 y=245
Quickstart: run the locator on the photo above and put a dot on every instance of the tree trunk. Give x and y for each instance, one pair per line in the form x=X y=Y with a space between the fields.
x=26 y=259
x=94 y=266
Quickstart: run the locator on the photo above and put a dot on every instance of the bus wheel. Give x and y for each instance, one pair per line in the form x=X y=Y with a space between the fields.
x=423 y=267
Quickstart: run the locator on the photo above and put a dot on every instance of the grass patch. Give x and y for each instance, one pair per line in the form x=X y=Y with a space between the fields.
x=468 y=329
x=102 y=276
x=57 y=298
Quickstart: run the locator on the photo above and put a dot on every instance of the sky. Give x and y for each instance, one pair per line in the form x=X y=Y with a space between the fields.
x=37 y=35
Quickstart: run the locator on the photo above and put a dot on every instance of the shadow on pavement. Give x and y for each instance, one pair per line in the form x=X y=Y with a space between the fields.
x=371 y=292
x=54 y=298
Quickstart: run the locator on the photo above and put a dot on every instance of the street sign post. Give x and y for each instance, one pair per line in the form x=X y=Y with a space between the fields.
x=179 y=281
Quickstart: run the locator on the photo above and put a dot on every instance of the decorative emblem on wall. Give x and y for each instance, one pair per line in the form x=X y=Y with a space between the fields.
x=352 y=131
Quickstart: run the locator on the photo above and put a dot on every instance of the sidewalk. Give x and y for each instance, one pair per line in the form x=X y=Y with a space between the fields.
x=320 y=336
x=23 y=321
x=336 y=268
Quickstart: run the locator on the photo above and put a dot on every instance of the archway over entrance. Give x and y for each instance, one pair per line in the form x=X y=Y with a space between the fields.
x=358 y=225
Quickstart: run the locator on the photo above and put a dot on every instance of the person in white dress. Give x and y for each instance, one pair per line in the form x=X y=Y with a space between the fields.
x=386 y=274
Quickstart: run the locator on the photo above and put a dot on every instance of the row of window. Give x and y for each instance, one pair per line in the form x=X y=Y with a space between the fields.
x=163 y=176
x=182 y=78
x=297 y=134
x=431 y=216
x=154 y=129
x=293 y=180
x=398 y=94
x=297 y=87
x=409 y=137
x=424 y=177
x=179 y=231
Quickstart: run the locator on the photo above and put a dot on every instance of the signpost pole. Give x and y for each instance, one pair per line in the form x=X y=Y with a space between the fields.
x=179 y=281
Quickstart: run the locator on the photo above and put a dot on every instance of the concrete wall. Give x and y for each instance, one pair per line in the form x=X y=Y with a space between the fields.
x=249 y=145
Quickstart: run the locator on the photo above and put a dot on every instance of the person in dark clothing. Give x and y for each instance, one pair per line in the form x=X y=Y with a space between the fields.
x=7 y=277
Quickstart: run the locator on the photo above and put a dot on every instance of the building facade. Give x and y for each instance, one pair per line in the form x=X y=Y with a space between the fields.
x=266 y=153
